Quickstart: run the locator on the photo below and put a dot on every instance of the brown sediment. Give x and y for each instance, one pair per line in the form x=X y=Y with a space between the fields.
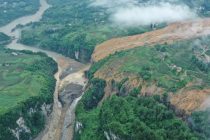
x=189 y=100
x=169 y=34
x=74 y=75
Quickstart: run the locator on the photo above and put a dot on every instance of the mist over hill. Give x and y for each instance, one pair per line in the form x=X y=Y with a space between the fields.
x=144 y=12
x=144 y=71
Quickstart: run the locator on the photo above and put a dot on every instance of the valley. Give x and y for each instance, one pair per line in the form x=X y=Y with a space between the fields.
x=71 y=70
x=13 y=9
x=27 y=85
x=168 y=35
x=176 y=75
x=144 y=82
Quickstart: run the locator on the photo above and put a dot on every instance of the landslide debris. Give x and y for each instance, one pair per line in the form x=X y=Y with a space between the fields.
x=173 y=32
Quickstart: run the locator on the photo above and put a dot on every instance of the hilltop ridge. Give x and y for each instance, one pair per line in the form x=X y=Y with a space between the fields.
x=171 y=33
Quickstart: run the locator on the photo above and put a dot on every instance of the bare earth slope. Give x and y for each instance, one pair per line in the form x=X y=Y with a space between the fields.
x=169 y=34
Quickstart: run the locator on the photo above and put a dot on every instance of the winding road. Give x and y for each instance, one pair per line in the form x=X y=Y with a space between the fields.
x=56 y=127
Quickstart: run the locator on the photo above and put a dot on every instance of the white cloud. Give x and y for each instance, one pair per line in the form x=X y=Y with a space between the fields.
x=134 y=13
x=113 y=3
x=140 y=15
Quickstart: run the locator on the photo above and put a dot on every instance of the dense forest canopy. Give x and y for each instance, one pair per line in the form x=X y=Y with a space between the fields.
x=132 y=114
x=113 y=106
x=13 y=9
x=4 y=39
x=71 y=26
x=26 y=85
x=132 y=118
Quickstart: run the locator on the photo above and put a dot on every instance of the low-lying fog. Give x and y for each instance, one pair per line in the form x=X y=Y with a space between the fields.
x=135 y=12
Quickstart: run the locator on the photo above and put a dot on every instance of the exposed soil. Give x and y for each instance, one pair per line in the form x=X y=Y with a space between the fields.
x=189 y=100
x=70 y=78
x=185 y=100
x=169 y=34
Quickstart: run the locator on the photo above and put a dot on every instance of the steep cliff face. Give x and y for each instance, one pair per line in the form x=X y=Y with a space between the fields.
x=164 y=80
x=29 y=123
x=27 y=86
x=26 y=121
x=181 y=70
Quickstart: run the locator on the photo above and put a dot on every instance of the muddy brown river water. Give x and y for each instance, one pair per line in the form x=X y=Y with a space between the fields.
x=70 y=84
x=61 y=116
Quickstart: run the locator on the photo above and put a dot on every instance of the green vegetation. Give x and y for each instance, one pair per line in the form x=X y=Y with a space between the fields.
x=200 y=121
x=89 y=104
x=96 y=66
x=72 y=26
x=12 y=9
x=26 y=83
x=4 y=39
x=170 y=66
x=94 y=94
x=131 y=118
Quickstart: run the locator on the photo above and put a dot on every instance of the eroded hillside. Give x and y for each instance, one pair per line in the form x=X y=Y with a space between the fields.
x=171 y=33
x=173 y=76
x=181 y=68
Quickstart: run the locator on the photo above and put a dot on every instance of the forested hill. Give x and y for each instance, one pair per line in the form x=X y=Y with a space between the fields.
x=157 y=91
x=4 y=39
x=13 y=9
x=152 y=93
x=26 y=93
x=71 y=27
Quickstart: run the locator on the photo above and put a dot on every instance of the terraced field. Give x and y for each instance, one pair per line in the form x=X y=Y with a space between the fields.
x=18 y=79
x=26 y=89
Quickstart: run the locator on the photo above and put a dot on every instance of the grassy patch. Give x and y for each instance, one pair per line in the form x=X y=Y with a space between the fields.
x=18 y=82
x=12 y=9
x=72 y=26
x=170 y=66
x=26 y=83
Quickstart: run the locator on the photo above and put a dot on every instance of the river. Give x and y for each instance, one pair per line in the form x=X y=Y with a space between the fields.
x=61 y=116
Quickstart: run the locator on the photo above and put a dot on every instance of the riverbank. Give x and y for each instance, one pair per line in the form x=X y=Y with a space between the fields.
x=74 y=75
x=27 y=86
x=62 y=119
